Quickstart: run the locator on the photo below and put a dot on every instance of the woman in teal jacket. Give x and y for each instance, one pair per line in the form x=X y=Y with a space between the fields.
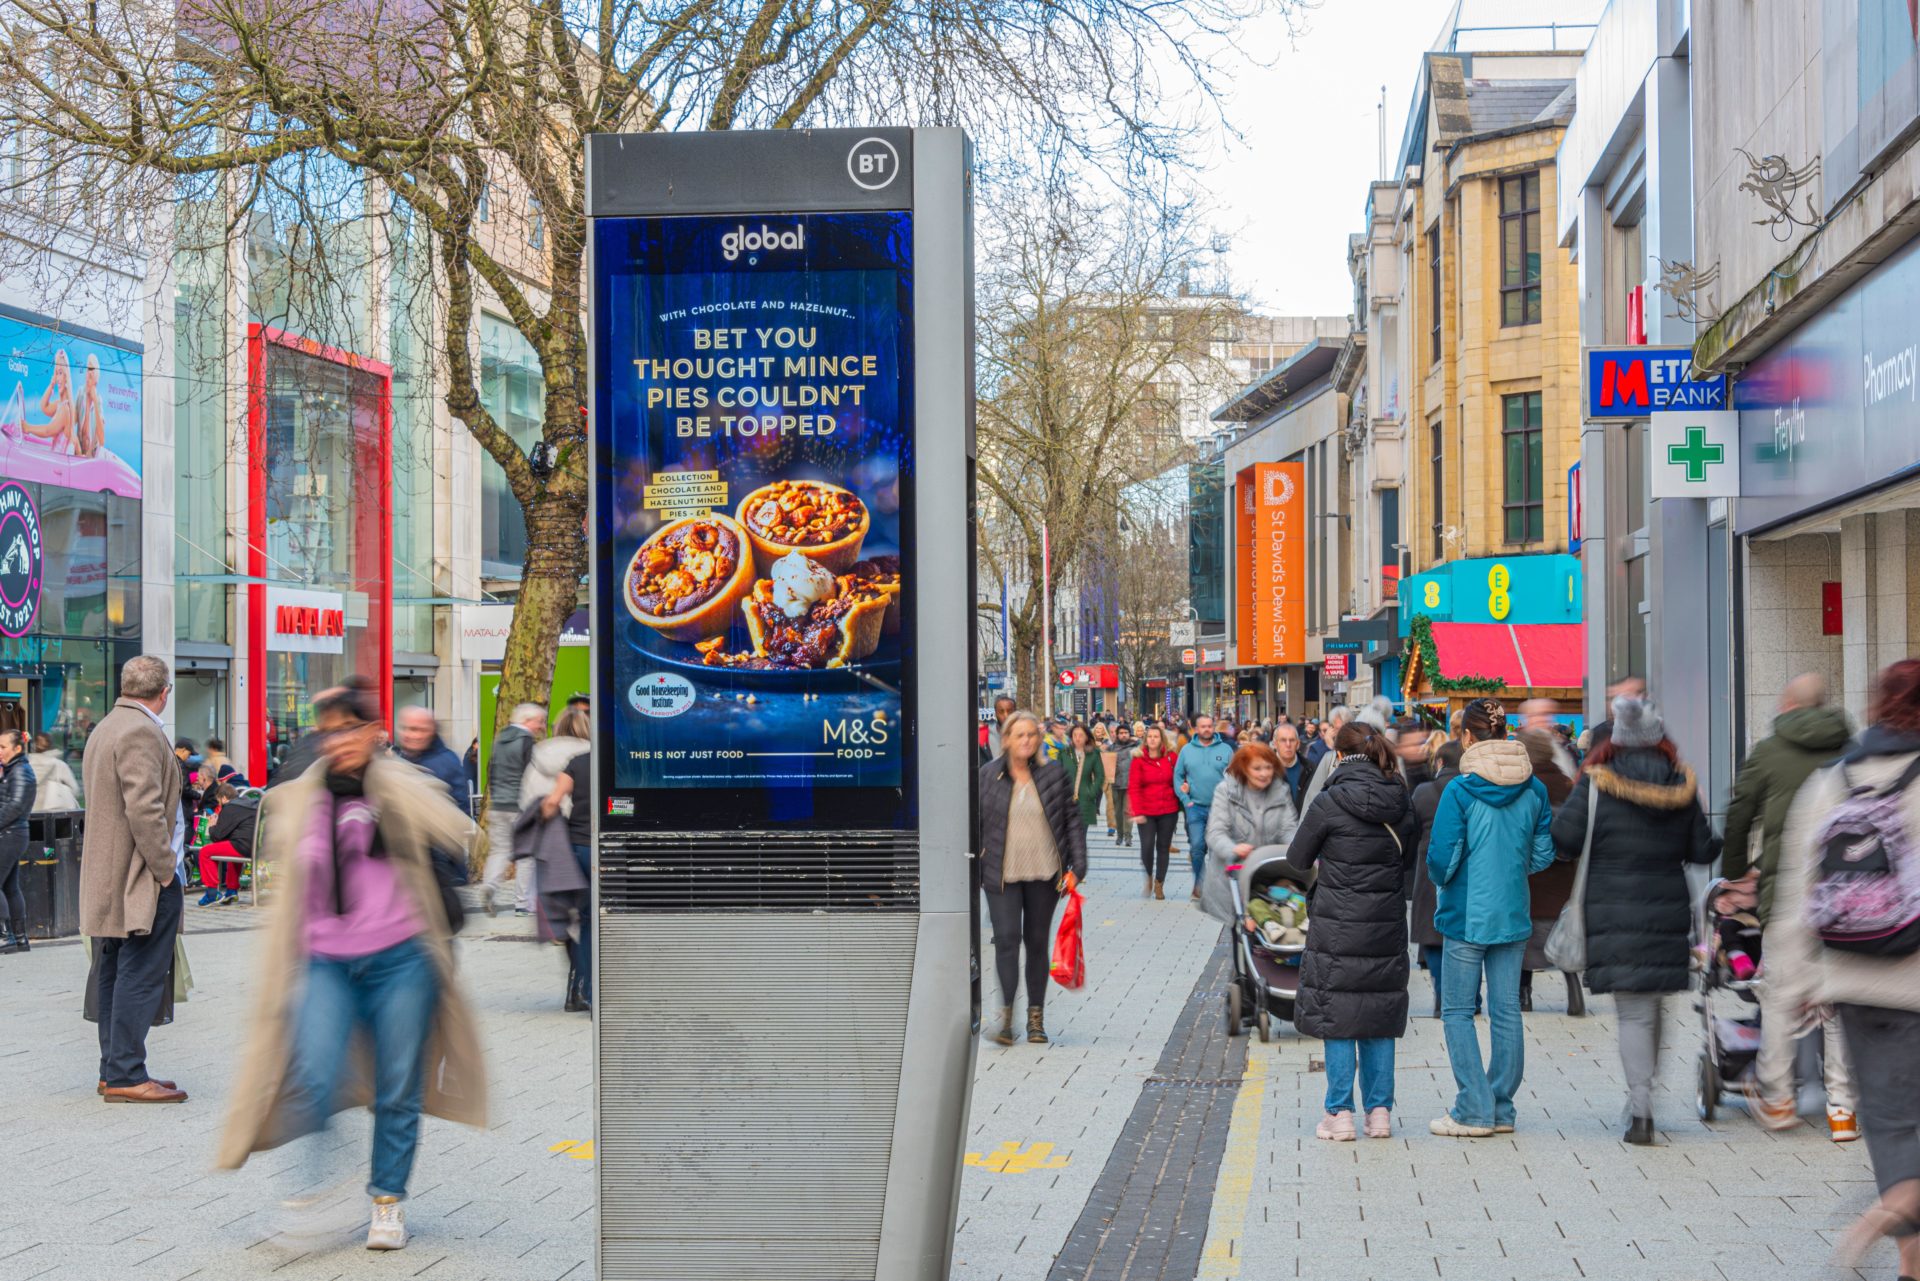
x=1089 y=773
x=1492 y=830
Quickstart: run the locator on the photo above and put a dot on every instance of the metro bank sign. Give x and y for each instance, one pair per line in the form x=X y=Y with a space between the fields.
x=1633 y=382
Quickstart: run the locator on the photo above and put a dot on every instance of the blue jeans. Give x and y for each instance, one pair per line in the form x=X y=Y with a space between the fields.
x=1373 y=1057
x=1486 y=1093
x=1435 y=957
x=390 y=996
x=1197 y=839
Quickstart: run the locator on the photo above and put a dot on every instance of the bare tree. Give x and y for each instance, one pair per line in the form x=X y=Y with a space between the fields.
x=1086 y=339
x=464 y=115
x=1140 y=562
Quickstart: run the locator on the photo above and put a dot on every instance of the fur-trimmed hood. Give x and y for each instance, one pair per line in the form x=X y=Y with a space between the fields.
x=1676 y=793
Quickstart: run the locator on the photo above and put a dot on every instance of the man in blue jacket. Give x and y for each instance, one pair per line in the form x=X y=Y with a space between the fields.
x=1493 y=829
x=1198 y=771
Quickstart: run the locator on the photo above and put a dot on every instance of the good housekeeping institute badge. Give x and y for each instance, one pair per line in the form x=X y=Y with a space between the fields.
x=21 y=560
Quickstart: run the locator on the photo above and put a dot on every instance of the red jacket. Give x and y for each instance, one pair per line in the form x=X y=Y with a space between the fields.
x=1150 y=785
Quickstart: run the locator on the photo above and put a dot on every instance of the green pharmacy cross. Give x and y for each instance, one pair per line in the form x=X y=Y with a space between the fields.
x=1696 y=454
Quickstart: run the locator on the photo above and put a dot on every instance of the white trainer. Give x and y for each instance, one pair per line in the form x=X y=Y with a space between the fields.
x=1448 y=1128
x=388 y=1231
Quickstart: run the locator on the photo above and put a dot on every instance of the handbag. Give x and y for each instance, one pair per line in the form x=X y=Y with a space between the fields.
x=1567 y=941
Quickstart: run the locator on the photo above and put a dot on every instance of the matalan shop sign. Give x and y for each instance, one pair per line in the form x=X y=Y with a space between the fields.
x=483 y=631
x=306 y=622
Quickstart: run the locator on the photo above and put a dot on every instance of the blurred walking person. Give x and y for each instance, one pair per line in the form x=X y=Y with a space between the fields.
x=1033 y=847
x=1807 y=736
x=58 y=790
x=1492 y=829
x=1089 y=774
x=506 y=768
x=417 y=741
x=1154 y=805
x=1353 y=979
x=16 y=802
x=357 y=960
x=1872 y=984
x=1647 y=824
x=1425 y=900
x=1548 y=891
x=132 y=868
x=552 y=833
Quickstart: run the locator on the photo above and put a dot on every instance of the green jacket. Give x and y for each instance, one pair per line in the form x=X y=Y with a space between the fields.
x=1090 y=786
x=1802 y=741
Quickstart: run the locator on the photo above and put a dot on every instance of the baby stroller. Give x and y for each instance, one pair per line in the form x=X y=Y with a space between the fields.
x=1728 y=955
x=1266 y=971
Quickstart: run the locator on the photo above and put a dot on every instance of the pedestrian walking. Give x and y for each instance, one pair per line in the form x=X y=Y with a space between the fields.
x=132 y=869
x=506 y=766
x=1003 y=707
x=1087 y=771
x=1155 y=806
x=56 y=789
x=1424 y=901
x=1120 y=824
x=1353 y=978
x=470 y=763
x=1807 y=736
x=1873 y=985
x=1252 y=817
x=1197 y=772
x=417 y=741
x=1648 y=824
x=17 y=792
x=1293 y=765
x=1033 y=847
x=1548 y=891
x=357 y=961
x=566 y=901
x=1492 y=829
x=544 y=835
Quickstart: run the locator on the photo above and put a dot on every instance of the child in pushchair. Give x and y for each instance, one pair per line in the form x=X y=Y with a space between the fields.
x=1729 y=945
x=1269 y=935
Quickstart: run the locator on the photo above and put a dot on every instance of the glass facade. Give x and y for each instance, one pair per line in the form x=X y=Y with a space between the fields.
x=201 y=547
x=414 y=406
x=1206 y=539
x=512 y=389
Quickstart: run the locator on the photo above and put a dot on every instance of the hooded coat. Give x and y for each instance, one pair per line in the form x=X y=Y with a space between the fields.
x=1353 y=978
x=1639 y=909
x=1242 y=815
x=1426 y=800
x=1492 y=829
x=1802 y=741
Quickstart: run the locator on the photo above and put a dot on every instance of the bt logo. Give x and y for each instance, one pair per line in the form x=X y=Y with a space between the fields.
x=740 y=240
x=873 y=163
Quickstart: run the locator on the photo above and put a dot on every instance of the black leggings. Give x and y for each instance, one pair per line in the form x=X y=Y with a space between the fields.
x=16 y=913
x=1023 y=913
x=1156 y=843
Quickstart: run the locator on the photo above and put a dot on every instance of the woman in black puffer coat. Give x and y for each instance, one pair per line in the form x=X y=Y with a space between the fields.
x=1639 y=909
x=1353 y=978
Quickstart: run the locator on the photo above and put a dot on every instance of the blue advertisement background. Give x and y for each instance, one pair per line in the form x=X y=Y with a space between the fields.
x=31 y=354
x=658 y=281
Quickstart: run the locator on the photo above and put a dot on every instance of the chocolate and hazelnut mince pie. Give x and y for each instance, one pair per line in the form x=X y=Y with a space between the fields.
x=804 y=617
x=884 y=573
x=822 y=522
x=687 y=580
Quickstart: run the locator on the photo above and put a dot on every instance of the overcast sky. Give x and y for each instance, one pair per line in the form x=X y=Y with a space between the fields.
x=1290 y=192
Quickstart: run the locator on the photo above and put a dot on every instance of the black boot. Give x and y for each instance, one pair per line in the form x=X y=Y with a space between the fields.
x=1005 y=1035
x=14 y=938
x=576 y=998
x=1036 y=1031
x=1576 y=996
x=1526 y=991
x=1640 y=1131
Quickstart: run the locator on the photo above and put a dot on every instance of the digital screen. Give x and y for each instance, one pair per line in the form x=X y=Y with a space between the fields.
x=754 y=461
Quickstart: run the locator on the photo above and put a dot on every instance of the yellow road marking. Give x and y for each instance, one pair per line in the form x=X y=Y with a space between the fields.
x=1009 y=1159
x=1233 y=1193
x=578 y=1149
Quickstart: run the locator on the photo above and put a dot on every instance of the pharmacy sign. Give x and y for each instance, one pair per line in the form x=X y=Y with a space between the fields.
x=1695 y=454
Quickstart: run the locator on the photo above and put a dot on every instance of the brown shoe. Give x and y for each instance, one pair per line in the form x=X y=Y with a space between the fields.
x=1160 y=889
x=145 y=1092
x=102 y=1087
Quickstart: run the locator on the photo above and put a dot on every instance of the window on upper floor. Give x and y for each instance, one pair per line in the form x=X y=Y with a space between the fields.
x=1433 y=289
x=1520 y=250
x=1437 y=486
x=1522 y=449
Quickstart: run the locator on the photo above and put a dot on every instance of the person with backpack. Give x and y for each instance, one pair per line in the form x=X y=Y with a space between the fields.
x=1807 y=735
x=1845 y=933
x=1492 y=829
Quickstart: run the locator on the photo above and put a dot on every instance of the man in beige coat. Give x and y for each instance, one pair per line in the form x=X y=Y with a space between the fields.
x=130 y=871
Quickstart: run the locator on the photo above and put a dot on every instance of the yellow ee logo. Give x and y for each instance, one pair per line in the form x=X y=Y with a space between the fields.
x=1498 y=579
x=1432 y=596
x=1499 y=604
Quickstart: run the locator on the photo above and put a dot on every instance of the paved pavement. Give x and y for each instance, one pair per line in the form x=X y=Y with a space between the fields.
x=1134 y=1144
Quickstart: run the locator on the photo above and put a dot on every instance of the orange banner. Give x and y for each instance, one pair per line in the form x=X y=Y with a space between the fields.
x=1243 y=557
x=1279 y=538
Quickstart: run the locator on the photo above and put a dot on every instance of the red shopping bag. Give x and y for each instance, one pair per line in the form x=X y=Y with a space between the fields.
x=1069 y=958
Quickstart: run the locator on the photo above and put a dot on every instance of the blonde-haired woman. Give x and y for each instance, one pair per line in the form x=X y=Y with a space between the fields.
x=1031 y=841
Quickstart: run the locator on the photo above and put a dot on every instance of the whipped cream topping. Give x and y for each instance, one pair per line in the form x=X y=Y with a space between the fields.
x=799 y=583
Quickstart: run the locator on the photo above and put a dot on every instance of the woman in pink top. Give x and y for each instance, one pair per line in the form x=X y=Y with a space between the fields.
x=358 y=959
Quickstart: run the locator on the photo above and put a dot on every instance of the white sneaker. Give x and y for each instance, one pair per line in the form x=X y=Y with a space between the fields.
x=388 y=1231
x=1448 y=1128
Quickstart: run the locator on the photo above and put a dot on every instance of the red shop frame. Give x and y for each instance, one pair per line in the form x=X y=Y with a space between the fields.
x=372 y=527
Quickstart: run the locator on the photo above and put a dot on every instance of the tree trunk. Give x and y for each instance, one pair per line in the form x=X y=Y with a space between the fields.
x=549 y=591
x=1024 y=631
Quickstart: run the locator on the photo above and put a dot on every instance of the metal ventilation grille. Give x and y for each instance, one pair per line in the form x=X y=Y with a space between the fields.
x=748 y=1086
x=760 y=872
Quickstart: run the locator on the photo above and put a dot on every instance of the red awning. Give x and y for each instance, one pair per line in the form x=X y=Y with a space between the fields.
x=1524 y=655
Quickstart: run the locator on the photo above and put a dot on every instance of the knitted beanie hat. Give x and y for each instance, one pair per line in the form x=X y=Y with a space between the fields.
x=1637 y=723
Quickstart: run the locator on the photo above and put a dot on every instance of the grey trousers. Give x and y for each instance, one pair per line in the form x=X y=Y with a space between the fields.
x=1639 y=1016
x=1884 y=1046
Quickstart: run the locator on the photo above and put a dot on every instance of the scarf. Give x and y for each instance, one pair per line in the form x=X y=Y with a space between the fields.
x=342 y=787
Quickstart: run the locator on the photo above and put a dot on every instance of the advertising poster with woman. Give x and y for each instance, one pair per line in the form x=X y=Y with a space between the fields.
x=69 y=411
x=755 y=474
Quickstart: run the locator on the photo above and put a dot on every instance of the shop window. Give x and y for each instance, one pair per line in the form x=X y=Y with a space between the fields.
x=1520 y=250
x=1433 y=291
x=1437 y=487
x=1523 y=450
x=514 y=392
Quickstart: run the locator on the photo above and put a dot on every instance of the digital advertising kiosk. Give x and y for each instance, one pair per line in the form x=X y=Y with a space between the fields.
x=786 y=969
